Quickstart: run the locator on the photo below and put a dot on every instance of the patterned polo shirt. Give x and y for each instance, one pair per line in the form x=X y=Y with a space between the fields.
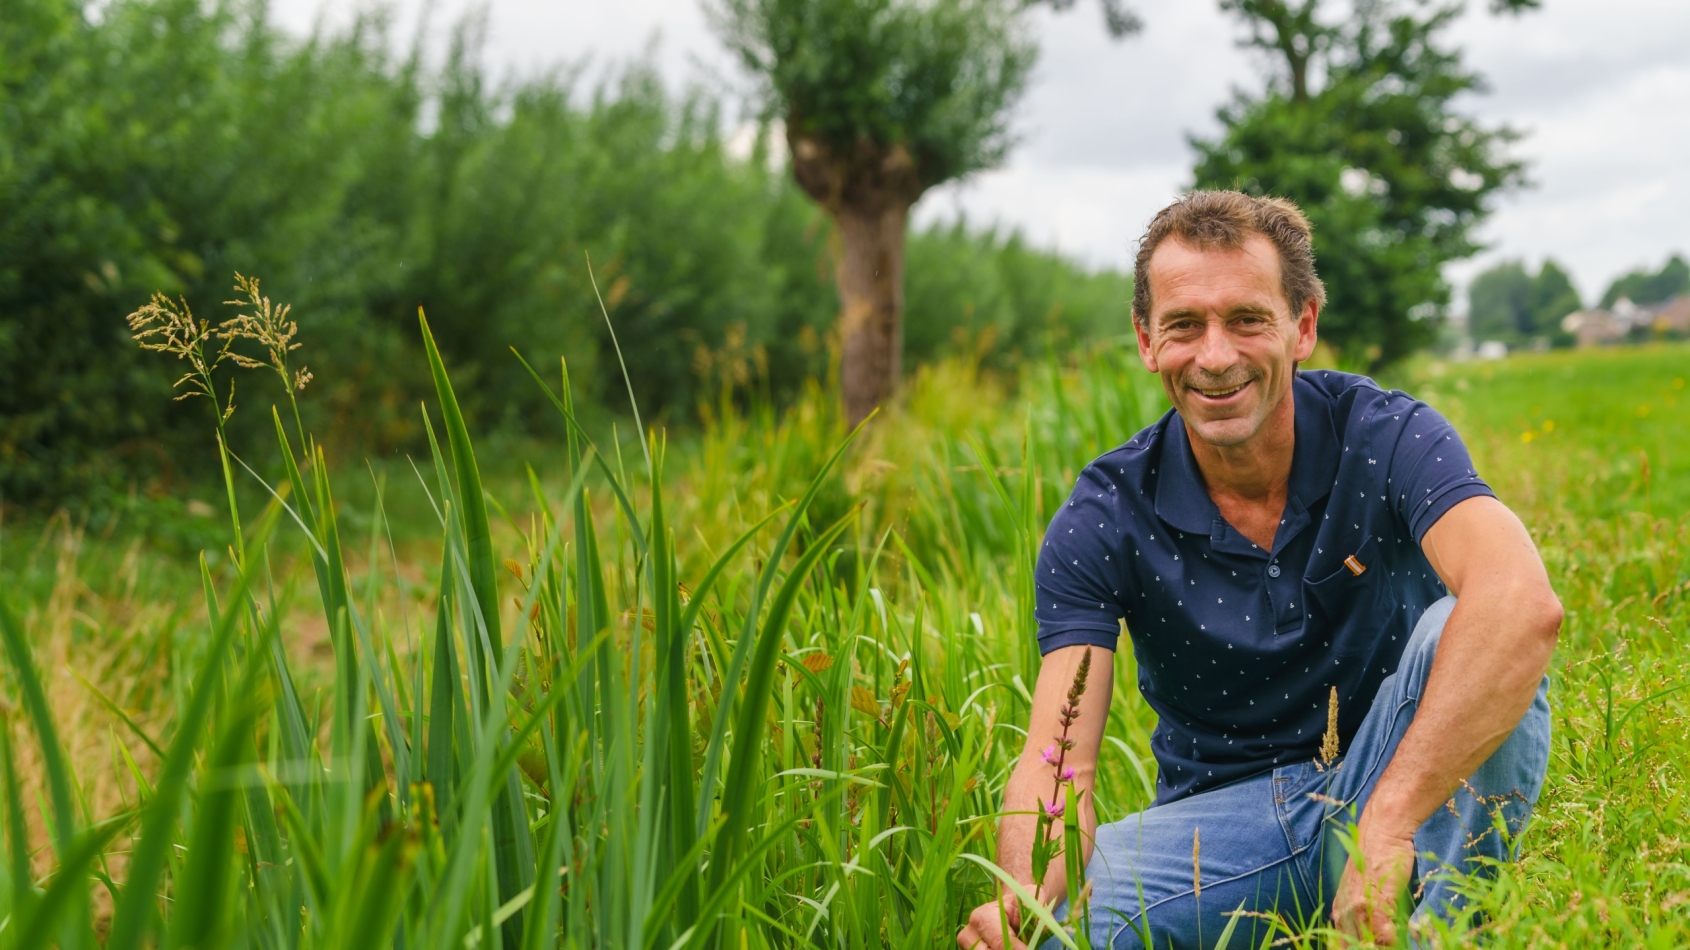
x=1237 y=646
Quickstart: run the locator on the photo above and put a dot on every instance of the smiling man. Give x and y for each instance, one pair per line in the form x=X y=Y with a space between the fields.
x=1281 y=542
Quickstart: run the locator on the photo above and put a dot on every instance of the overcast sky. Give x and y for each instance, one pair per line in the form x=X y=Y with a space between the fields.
x=1600 y=87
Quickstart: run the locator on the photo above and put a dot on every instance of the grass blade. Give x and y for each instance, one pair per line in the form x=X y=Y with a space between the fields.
x=34 y=698
x=730 y=683
x=206 y=873
x=513 y=851
x=741 y=788
x=135 y=909
x=69 y=886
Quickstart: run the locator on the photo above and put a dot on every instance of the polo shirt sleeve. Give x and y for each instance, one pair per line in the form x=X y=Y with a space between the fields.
x=1078 y=580
x=1430 y=471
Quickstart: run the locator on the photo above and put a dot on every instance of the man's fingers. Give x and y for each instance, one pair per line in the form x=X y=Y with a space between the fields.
x=982 y=930
x=1362 y=908
x=985 y=928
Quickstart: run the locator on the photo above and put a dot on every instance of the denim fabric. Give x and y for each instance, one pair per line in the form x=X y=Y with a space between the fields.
x=1270 y=843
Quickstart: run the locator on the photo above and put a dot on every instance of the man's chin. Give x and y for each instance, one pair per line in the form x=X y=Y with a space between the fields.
x=1226 y=432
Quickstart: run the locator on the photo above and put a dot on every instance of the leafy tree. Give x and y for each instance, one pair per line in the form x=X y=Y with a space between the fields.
x=1509 y=303
x=881 y=100
x=1357 y=125
x=1643 y=287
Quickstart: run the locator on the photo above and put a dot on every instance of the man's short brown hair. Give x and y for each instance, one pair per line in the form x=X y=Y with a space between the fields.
x=1225 y=220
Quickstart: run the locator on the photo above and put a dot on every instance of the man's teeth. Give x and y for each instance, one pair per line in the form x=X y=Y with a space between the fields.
x=1218 y=393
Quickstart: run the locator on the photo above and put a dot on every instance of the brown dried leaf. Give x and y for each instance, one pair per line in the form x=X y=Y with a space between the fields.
x=817 y=662
x=864 y=702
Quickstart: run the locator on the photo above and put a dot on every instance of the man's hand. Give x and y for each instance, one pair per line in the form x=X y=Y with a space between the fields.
x=986 y=926
x=1366 y=903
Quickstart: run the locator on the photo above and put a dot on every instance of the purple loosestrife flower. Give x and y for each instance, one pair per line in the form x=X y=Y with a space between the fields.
x=1057 y=755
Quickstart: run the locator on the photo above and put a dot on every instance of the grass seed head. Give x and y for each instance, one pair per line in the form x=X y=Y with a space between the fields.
x=170 y=327
x=1329 y=742
x=267 y=325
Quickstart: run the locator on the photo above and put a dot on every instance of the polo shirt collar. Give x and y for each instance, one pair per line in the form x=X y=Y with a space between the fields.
x=1181 y=500
x=1314 y=461
x=1184 y=504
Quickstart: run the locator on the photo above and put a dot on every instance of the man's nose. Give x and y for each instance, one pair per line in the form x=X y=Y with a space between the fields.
x=1215 y=352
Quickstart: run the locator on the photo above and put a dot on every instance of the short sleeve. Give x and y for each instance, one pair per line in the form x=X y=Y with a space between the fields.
x=1431 y=470
x=1078 y=579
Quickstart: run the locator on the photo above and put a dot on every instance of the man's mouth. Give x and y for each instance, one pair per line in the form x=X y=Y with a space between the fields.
x=1219 y=392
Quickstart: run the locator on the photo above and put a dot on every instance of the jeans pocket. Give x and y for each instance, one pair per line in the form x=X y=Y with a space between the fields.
x=1299 y=814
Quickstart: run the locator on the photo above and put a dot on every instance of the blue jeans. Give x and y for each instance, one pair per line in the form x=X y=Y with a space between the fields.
x=1270 y=843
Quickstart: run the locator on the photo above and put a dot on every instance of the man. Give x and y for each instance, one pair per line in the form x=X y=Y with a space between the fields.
x=1281 y=537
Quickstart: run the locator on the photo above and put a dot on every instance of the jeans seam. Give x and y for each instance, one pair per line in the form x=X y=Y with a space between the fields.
x=1379 y=757
x=1284 y=819
x=1145 y=910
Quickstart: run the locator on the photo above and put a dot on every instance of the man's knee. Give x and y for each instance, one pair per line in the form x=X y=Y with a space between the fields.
x=1423 y=641
x=1430 y=628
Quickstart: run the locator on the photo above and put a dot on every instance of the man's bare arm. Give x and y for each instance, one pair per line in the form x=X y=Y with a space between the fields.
x=1490 y=659
x=1032 y=781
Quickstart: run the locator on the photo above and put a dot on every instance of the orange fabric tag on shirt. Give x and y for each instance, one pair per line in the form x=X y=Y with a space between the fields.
x=1355 y=566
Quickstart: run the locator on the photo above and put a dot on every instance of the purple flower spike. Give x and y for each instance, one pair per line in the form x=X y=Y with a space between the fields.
x=1067 y=775
x=1055 y=809
x=1051 y=755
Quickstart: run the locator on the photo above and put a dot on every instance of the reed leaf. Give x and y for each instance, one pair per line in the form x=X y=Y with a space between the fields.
x=135 y=909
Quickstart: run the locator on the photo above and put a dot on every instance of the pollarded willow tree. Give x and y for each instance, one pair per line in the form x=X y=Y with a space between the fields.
x=882 y=100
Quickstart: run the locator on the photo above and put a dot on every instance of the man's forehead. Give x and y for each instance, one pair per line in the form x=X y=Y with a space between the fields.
x=1181 y=274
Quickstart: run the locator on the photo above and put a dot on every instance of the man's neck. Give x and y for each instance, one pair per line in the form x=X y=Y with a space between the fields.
x=1255 y=472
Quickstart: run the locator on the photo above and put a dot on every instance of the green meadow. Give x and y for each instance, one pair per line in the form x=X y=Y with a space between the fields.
x=757 y=685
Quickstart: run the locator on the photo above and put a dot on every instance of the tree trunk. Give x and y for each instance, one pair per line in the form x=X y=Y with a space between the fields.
x=868 y=189
x=870 y=274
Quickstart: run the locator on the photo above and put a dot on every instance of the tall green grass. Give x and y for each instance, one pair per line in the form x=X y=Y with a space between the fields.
x=763 y=690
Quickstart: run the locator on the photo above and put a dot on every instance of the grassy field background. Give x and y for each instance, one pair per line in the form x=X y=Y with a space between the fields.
x=808 y=751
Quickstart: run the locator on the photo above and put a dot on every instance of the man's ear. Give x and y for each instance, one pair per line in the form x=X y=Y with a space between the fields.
x=1306 y=329
x=1146 y=355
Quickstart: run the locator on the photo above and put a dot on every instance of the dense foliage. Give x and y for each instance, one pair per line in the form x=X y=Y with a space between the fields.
x=1644 y=287
x=937 y=78
x=1509 y=303
x=167 y=144
x=1359 y=127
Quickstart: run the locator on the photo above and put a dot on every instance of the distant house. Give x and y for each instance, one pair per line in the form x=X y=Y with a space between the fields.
x=1596 y=327
x=1672 y=316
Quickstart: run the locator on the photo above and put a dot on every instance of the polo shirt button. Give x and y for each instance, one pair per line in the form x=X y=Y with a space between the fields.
x=1273 y=570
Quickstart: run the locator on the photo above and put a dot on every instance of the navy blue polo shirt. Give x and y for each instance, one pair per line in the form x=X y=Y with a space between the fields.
x=1237 y=646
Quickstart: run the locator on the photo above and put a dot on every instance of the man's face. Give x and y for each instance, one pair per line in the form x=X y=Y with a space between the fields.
x=1222 y=337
